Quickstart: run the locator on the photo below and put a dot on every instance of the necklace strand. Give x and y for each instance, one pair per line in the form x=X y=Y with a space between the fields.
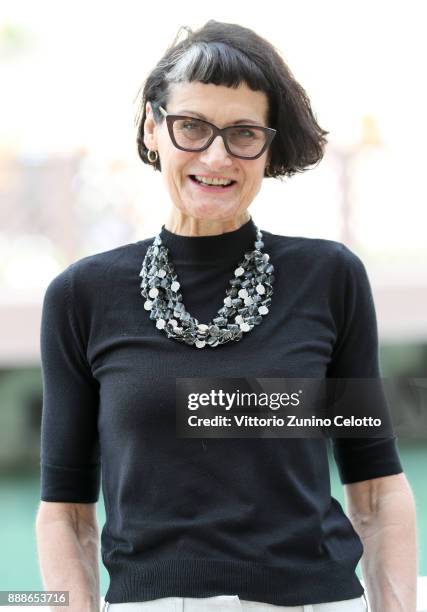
x=247 y=299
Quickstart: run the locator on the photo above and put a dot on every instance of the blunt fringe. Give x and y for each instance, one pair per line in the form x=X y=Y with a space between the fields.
x=230 y=54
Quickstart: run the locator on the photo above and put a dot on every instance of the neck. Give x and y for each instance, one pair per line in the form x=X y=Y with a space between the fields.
x=213 y=248
x=183 y=224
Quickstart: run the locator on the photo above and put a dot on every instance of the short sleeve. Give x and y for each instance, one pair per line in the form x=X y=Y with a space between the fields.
x=69 y=456
x=355 y=355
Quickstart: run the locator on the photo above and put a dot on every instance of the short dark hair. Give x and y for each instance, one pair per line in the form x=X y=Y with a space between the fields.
x=230 y=54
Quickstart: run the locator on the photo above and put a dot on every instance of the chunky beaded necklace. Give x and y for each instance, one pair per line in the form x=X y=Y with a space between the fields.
x=246 y=302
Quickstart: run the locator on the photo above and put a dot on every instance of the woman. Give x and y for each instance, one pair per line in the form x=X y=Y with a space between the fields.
x=219 y=524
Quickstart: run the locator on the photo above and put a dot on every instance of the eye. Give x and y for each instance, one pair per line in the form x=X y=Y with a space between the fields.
x=189 y=125
x=245 y=133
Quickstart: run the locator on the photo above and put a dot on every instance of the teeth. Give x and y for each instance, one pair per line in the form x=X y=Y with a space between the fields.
x=213 y=181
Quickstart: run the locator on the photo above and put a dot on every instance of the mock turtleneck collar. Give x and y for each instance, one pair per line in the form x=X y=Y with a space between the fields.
x=229 y=245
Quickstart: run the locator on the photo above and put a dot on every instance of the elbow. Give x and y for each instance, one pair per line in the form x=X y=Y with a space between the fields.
x=81 y=517
x=379 y=502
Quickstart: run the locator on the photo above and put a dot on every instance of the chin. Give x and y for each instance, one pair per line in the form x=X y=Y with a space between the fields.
x=213 y=211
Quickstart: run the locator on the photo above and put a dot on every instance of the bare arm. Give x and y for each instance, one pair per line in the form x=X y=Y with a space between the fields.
x=382 y=511
x=67 y=543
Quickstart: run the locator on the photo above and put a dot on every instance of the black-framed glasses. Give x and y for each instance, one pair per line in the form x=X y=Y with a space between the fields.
x=192 y=134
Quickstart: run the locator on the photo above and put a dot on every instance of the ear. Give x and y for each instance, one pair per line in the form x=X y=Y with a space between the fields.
x=150 y=128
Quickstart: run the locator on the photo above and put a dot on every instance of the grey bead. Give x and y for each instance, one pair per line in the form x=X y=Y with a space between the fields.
x=220 y=321
x=233 y=327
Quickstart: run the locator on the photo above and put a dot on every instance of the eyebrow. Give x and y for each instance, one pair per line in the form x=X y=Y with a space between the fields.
x=201 y=116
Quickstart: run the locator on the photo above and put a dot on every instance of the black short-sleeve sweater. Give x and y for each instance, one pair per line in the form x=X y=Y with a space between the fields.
x=246 y=516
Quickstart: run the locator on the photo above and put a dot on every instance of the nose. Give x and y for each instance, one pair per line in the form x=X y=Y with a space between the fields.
x=216 y=155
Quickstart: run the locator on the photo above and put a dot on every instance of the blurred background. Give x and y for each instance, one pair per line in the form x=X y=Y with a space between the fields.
x=71 y=184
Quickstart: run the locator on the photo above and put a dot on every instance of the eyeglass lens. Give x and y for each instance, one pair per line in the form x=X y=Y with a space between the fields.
x=194 y=134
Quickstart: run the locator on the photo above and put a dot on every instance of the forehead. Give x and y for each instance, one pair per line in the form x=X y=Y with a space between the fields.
x=217 y=102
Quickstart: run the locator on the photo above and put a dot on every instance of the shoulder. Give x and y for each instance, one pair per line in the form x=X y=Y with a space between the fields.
x=318 y=252
x=117 y=259
x=94 y=275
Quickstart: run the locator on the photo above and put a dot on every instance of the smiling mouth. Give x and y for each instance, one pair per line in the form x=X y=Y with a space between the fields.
x=193 y=178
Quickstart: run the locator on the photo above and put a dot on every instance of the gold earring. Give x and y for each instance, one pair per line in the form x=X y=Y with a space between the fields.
x=268 y=170
x=156 y=156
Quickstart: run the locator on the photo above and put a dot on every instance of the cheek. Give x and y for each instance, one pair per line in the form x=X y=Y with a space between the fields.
x=182 y=165
x=173 y=160
x=173 y=169
x=254 y=173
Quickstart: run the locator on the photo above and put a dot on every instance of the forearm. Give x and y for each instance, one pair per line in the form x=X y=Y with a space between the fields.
x=389 y=562
x=68 y=558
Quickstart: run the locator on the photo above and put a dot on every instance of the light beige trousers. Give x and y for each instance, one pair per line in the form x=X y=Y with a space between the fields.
x=231 y=603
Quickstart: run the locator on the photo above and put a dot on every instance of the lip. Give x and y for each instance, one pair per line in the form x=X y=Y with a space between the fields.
x=212 y=189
